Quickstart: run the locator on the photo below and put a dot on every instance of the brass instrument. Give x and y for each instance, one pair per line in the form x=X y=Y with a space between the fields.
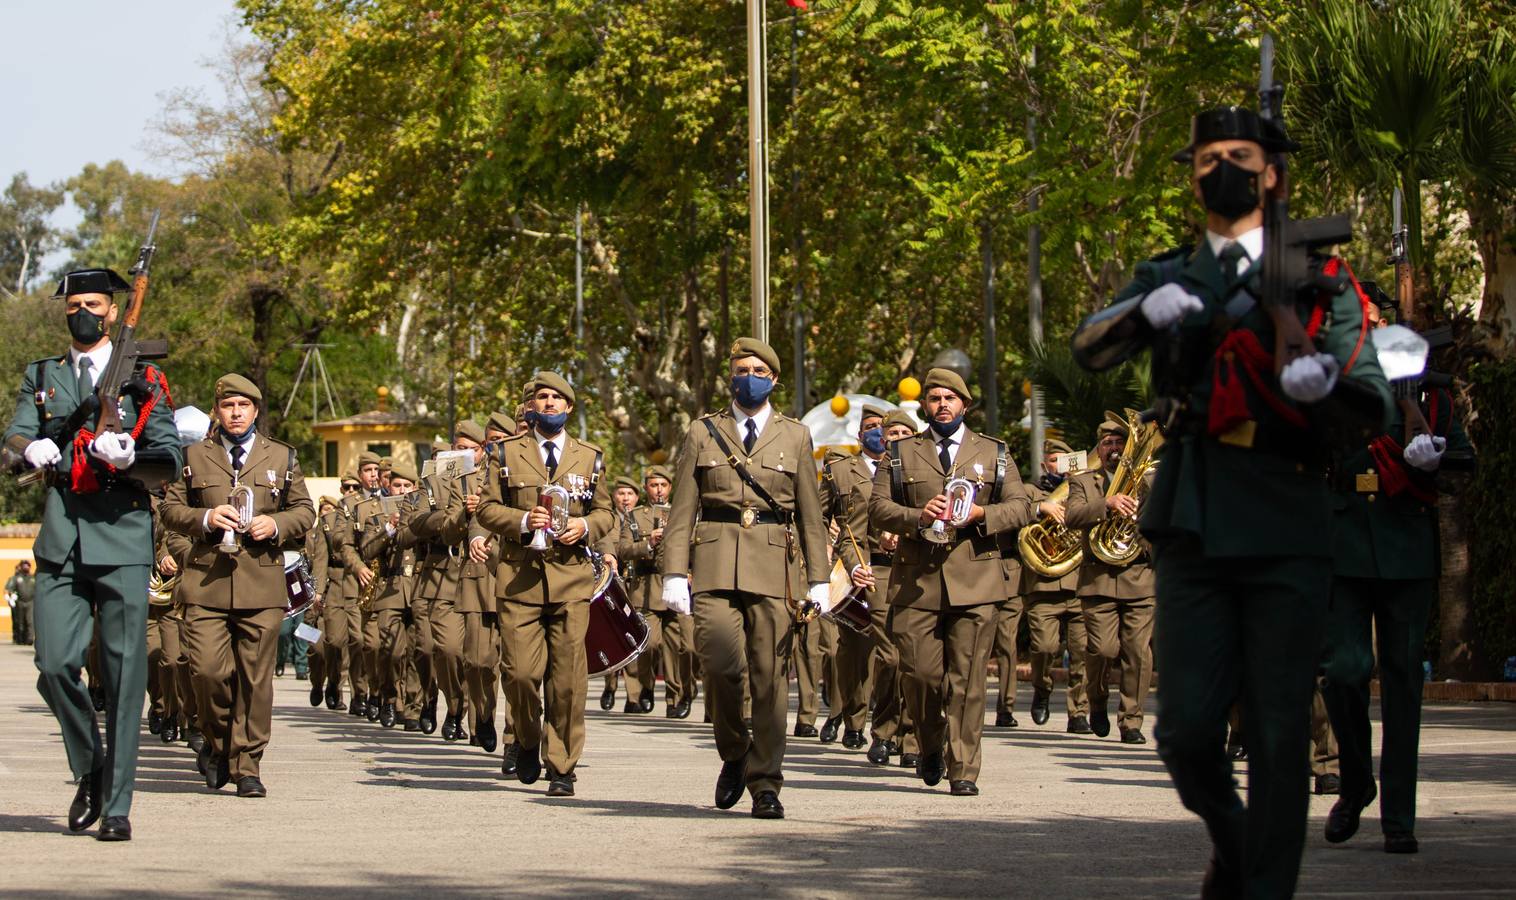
x=160 y=590
x=241 y=497
x=1047 y=547
x=556 y=500
x=1115 y=540
x=960 y=495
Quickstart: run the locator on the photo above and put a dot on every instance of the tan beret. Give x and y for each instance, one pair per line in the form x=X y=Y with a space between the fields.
x=658 y=472
x=232 y=384
x=387 y=464
x=470 y=429
x=529 y=390
x=1053 y=445
x=329 y=501
x=349 y=477
x=401 y=470
x=626 y=481
x=502 y=422
x=368 y=458
x=870 y=411
x=947 y=378
x=440 y=446
x=899 y=417
x=553 y=381
x=751 y=346
x=1113 y=424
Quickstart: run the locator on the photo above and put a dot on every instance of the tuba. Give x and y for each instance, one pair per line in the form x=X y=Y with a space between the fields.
x=240 y=497
x=1048 y=548
x=1115 y=540
x=160 y=590
x=556 y=500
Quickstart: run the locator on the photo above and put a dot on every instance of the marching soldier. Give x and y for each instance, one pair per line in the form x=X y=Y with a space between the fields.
x=640 y=549
x=747 y=474
x=1054 y=617
x=95 y=547
x=625 y=495
x=331 y=657
x=1117 y=600
x=22 y=586
x=316 y=652
x=544 y=593
x=944 y=594
x=360 y=508
x=1239 y=514
x=234 y=600
x=391 y=542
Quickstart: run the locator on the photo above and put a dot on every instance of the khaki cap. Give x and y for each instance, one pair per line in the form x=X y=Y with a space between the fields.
x=232 y=384
x=553 y=381
x=751 y=346
x=367 y=458
x=400 y=470
x=870 y=411
x=470 y=429
x=658 y=472
x=502 y=422
x=949 y=379
x=626 y=481
x=1053 y=445
x=899 y=417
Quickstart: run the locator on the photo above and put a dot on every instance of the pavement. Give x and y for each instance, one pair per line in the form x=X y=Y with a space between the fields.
x=355 y=810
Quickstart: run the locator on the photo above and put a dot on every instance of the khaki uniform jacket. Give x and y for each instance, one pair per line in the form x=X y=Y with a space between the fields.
x=333 y=528
x=397 y=560
x=1031 y=581
x=969 y=570
x=640 y=559
x=316 y=557
x=560 y=574
x=436 y=533
x=1085 y=509
x=724 y=556
x=477 y=591
x=254 y=578
x=359 y=512
x=846 y=484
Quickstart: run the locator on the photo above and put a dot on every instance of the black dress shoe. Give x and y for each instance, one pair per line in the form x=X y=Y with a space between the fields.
x=560 y=785
x=317 y=695
x=98 y=698
x=1100 y=721
x=1039 y=708
x=194 y=738
x=1006 y=720
x=879 y=752
x=633 y=707
x=203 y=758
x=508 y=765
x=528 y=764
x=301 y=676
x=357 y=706
x=115 y=828
x=608 y=698
x=428 y=721
x=646 y=700
x=85 y=809
x=730 y=782
x=910 y=760
x=411 y=725
x=931 y=768
x=1401 y=842
x=334 y=697
x=683 y=709
x=853 y=740
x=154 y=722
x=1328 y=784
x=170 y=732
x=387 y=715
x=747 y=723
x=1220 y=882
x=461 y=733
x=1133 y=736
x=279 y=669
x=372 y=712
x=217 y=773
x=804 y=730
x=1236 y=752
x=1342 y=821
x=251 y=786
x=1079 y=725
x=450 y=727
x=487 y=740
x=767 y=806
x=829 y=729
x=963 y=788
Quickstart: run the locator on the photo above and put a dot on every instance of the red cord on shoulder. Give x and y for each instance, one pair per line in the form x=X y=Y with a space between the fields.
x=1329 y=270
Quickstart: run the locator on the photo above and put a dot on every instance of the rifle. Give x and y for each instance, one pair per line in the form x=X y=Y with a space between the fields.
x=1407 y=393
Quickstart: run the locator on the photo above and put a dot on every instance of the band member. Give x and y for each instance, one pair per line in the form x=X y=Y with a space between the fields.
x=162 y=698
x=1385 y=565
x=625 y=495
x=1012 y=610
x=360 y=508
x=95 y=547
x=815 y=661
x=316 y=652
x=944 y=593
x=234 y=599
x=331 y=657
x=544 y=593
x=293 y=651
x=1117 y=600
x=1239 y=514
x=747 y=474
x=1054 y=618
x=640 y=549
x=390 y=540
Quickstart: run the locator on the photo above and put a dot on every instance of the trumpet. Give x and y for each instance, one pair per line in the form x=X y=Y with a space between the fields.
x=960 y=495
x=241 y=497
x=556 y=500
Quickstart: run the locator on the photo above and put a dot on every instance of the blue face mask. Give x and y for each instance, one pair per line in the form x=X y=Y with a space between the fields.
x=550 y=424
x=750 y=391
x=945 y=429
x=873 y=440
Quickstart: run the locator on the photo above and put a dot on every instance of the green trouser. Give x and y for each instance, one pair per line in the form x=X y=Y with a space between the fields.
x=292 y=650
x=1244 y=629
x=69 y=599
x=1397 y=610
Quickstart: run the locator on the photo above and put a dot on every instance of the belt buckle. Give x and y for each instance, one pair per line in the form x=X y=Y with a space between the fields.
x=749 y=516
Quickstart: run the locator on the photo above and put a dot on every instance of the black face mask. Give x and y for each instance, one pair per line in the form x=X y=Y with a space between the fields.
x=85 y=326
x=1230 y=190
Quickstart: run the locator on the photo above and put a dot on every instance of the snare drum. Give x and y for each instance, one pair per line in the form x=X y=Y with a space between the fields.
x=299 y=589
x=848 y=606
x=617 y=633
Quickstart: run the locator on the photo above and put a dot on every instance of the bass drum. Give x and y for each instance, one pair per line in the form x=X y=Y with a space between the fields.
x=299 y=589
x=617 y=633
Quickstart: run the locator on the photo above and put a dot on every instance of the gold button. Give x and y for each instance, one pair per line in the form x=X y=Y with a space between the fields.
x=1371 y=498
x=1369 y=471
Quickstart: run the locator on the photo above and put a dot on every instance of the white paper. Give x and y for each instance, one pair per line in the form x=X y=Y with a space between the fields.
x=307 y=633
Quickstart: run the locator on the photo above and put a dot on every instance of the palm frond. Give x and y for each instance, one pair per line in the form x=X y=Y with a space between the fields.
x=1075 y=400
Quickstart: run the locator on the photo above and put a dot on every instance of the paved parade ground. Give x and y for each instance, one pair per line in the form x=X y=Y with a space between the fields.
x=355 y=810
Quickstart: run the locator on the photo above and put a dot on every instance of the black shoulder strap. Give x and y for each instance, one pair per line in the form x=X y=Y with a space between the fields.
x=39 y=381
x=1001 y=462
x=595 y=477
x=289 y=478
x=783 y=515
x=897 y=477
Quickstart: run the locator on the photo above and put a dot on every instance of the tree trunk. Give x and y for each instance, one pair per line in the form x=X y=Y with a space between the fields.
x=1458 y=656
x=1491 y=224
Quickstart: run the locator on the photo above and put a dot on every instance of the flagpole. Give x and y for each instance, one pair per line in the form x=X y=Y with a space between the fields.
x=758 y=163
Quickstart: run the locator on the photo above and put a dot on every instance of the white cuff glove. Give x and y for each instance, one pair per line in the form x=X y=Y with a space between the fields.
x=116 y=448
x=42 y=452
x=821 y=596
x=1310 y=379
x=1168 y=304
x=676 y=593
x=1425 y=451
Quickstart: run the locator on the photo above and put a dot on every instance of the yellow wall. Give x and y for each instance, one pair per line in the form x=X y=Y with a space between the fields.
x=352 y=440
x=12 y=551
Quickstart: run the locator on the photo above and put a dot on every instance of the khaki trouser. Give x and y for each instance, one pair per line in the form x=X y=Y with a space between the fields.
x=231 y=655
x=176 y=641
x=1119 y=630
x=642 y=674
x=816 y=659
x=739 y=635
x=1045 y=612
x=1323 y=741
x=1007 y=623
x=393 y=652
x=544 y=660
x=853 y=687
x=892 y=720
x=162 y=639
x=447 y=638
x=673 y=640
x=336 y=645
x=943 y=661
x=421 y=678
x=481 y=667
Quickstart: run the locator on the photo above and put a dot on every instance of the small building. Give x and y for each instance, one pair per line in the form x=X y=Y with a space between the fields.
x=404 y=437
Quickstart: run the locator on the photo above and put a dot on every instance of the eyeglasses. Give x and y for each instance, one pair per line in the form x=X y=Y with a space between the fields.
x=760 y=370
x=349 y=487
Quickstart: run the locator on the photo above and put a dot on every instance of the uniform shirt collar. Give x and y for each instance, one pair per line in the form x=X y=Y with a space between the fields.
x=1251 y=241
x=227 y=441
x=98 y=359
x=957 y=436
x=760 y=418
x=872 y=463
x=558 y=440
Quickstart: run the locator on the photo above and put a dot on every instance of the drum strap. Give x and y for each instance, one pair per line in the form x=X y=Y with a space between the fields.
x=897 y=477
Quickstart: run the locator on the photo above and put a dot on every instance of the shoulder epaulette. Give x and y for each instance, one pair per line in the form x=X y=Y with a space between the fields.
x=1182 y=251
x=833 y=455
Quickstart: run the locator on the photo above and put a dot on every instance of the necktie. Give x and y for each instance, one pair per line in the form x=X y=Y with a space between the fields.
x=86 y=383
x=752 y=436
x=237 y=454
x=944 y=456
x=552 y=457
x=1231 y=255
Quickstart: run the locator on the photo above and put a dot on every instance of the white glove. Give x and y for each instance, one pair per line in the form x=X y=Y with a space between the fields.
x=1168 y=304
x=1425 y=451
x=42 y=452
x=116 y=448
x=821 y=596
x=676 y=593
x=1310 y=379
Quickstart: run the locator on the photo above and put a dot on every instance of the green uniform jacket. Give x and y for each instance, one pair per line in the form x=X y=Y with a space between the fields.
x=112 y=527
x=1270 y=499
x=1375 y=535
